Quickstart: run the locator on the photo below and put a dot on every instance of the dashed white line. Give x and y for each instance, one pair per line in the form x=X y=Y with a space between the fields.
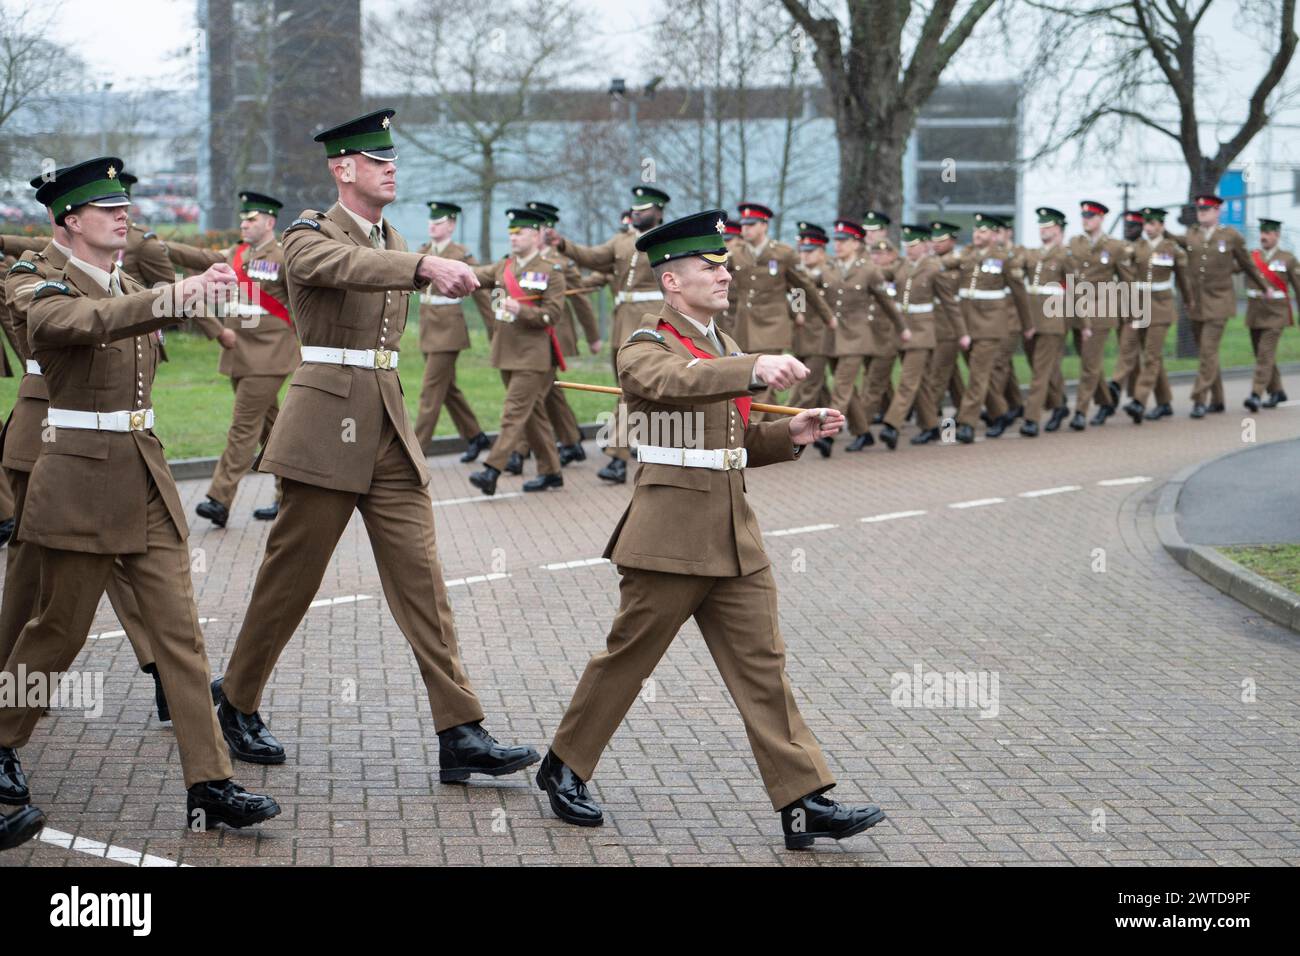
x=345 y=599
x=1133 y=480
x=476 y=579
x=1289 y=403
x=892 y=516
x=579 y=563
x=477 y=499
x=105 y=851
x=1044 y=492
x=106 y=635
x=977 y=503
x=804 y=530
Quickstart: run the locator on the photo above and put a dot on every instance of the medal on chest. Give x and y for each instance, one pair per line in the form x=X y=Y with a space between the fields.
x=1277 y=266
x=773 y=267
x=1223 y=246
x=1105 y=257
x=534 y=280
x=991 y=266
x=264 y=270
x=1162 y=259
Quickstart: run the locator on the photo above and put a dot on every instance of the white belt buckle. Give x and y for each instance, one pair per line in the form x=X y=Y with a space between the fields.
x=733 y=459
x=137 y=421
x=383 y=358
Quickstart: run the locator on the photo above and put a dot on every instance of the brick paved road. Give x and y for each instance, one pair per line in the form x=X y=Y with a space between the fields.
x=1123 y=733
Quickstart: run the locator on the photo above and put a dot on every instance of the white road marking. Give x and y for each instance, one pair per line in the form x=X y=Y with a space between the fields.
x=345 y=599
x=891 y=516
x=804 y=530
x=977 y=503
x=477 y=499
x=1043 y=492
x=106 y=851
x=1134 y=480
x=476 y=579
x=111 y=634
x=579 y=563
x=1288 y=404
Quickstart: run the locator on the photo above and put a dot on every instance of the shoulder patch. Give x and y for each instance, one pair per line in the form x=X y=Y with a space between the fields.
x=303 y=221
x=50 y=287
x=646 y=334
x=22 y=265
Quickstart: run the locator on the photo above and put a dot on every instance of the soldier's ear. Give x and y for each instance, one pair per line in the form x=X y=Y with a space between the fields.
x=346 y=169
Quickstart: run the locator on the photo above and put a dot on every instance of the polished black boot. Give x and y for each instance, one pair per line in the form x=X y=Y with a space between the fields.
x=965 y=434
x=1163 y=410
x=224 y=801
x=1135 y=411
x=1198 y=410
x=515 y=464
x=1115 y=393
x=823 y=446
x=615 y=470
x=6 y=531
x=571 y=453
x=1101 y=415
x=1078 y=423
x=468 y=748
x=568 y=795
x=817 y=816
x=159 y=698
x=862 y=441
x=1058 y=416
x=889 y=435
x=269 y=513
x=13 y=782
x=17 y=828
x=1274 y=399
x=543 y=482
x=1013 y=414
x=1029 y=429
x=246 y=735
x=485 y=480
x=1252 y=403
x=877 y=418
x=475 y=447
x=923 y=437
x=997 y=428
x=1215 y=408
x=214 y=511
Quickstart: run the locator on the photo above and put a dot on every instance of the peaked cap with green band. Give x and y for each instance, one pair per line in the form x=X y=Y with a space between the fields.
x=526 y=219
x=1154 y=213
x=94 y=182
x=643 y=197
x=370 y=135
x=251 y=202
x=440 y=209
x=913 y=234
x=696 y=235
x=549 y=210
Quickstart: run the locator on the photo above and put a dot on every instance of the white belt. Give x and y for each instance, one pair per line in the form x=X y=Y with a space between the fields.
x=247 y=308
x=638 y=297
x=364 y=358
x=921 y=307
x=1047 y=288
x=1271 y=294
x=983 y=293
x=1165 y=286
x=34 y=367
x=429 y=299
x=127 y=421
x=719 y=459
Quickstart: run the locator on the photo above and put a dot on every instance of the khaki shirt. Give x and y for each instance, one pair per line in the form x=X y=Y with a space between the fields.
x=815 y=336
x=579 y=305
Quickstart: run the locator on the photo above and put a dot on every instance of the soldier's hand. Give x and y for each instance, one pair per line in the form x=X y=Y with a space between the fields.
x=779 y=371
x=510 y=305
x=833 y=324
x=1087 y=333
x=906 y=335
x=226 y=339
x=451 y=278
x=814 y=423
x=217 y=275
x=1029 y=333
x=799 y=319
x=595 y=347
x=964 y=342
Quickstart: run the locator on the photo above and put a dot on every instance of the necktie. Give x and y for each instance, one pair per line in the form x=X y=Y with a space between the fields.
x=376 y=237
x=114 y=284
x=713 y=337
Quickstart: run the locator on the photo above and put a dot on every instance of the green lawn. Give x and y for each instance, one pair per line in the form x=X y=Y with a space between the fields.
x=1280 y=563
x=194 y=402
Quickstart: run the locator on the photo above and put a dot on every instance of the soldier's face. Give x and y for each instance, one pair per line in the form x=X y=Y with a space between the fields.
x=1207 y=215
x=1267 y=240
x=440 y=230
x=524 y=242
x=1049 y=233
x=256 y=228
x=1153 y=229
x=812 y=258
x=847 y=248
x=1091 y=222
x=753 y=232
x=982 y=236
x=647 y=218
x=99 y=227
x=701 y=284
x=376 y=179
x=916 y=250
x=942 y=246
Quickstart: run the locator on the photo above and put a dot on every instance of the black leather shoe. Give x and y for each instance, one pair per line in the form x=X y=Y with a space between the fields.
x=1013 y=414
x=468 y=748
x=269 y=513
x=1102 y=414
x=571 y=453
x=1198 y=410
x=17 y=828
x=543 y=482
x=1215 y=408
x=475 y=447
x=862 y=441
x=965 y=434
x=515 y=464
x=568 y=795
x=13 y=782
x=1078 y=423
x=1253 y=403
x=1056 y=418
x=924 y=437
x=1115 y=392
x=1274 y=399
x=1029 y=429
x=817 y=816
x=485 y=480
x=6 y=531
x=1135 y=411
x=1160 y=411
x=214 y=511
x=823 y=446
x=246 y=735
x=997 y=428
x=615 y=470
x=877 y=418
x=159 y=698
x=985 y=418
x=224 y=801
x=889 y=435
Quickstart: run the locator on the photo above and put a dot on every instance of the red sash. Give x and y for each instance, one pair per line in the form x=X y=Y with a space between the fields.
x=253 y=291
x=1274 y=279
x=742 y=403
x=516 y=292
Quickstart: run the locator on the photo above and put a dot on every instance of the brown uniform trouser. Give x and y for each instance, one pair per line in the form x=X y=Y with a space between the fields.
x=1152 y=376
x=1208 y=387
x=399 y=522
x=915 y=362
x=813 y=391
x=6 y=498
x=877 y=385
x=845 y=396
x=71 y=584
x=983 y=356
x=524 y=422
x=23 y=583
x=1046 y=355
x=942 y=375
x=256 y=405
x=563 y=421
x=1004 y=372
x=738 y=618
x=1092 y=354
x=1128 y=361
x=438 y=389
x=1267 y=379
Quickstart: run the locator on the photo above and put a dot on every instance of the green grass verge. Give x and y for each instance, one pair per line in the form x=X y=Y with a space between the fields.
x=1280 y=563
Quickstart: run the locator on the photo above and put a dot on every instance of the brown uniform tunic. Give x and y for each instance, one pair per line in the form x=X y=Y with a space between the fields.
x=814 y=345
x=146 y=258
x=1267 y=314
x=864 y=338
x=1046 y=272
x=1098 y=266
x=916 y=305
x=943 y=373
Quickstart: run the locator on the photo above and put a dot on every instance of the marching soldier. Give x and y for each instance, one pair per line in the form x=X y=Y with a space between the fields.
x=718 y=573
x=764 y=273
x=146 y=258
x=878 y=391
x=1268 y=314
x=943 y=375
x=344 y=444
x=814 y=341
x=101 y=488
x=1214 y=254
x=11 y=247
x=633 y=285
x=525 y=349
x=875 y=227
x=1099 y=262
x=1046 y=270
x=916 y=301
x=259 y=347
x=1129 y=354
x=1158 y=262
x=443 y=336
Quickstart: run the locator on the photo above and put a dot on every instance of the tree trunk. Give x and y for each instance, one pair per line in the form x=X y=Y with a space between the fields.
x=487 y=182
x=871 y=165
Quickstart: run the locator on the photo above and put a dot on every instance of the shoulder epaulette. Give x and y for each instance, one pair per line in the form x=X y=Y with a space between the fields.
x=50 y=287
x=303 y=221
x=648 y=334
x=23 y=265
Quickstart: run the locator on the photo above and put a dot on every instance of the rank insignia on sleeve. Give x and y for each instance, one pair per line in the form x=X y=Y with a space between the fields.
x=22 y=265
x=650 y=334
x=50 y=287
x=304 y=222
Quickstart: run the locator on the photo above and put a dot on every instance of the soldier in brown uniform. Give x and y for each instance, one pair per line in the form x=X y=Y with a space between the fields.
x=1268 y=314
x=718 y=573
x=102 y=488
x=764 y=273
x=875 y=227
x=11 y=247
x=529 y=290
x=443 y=336
x=914 y=279
x=259 y=347
x=878 y=389
x=1099 y=262
x=1214 y=254
x=1004 y=372
x=343 y=444
x=1046 y=270
x=814 y=341
x=1128 y=356
x=633 y=285
x=943 y=375
x=1158 y=262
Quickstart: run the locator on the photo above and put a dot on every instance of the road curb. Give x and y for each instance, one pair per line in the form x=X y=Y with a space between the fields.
x=1275 y=602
